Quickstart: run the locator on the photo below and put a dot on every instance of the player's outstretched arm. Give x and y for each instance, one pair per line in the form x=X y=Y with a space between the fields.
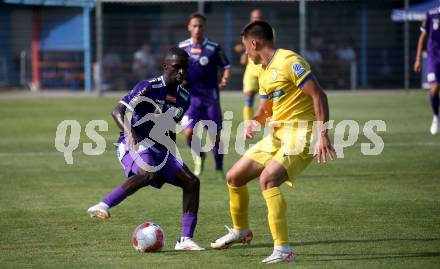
x=323 y=148
x=420 y=45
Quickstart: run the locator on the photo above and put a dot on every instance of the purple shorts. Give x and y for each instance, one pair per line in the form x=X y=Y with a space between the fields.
x=166 y=166
x=202 y=111
x=433 y=70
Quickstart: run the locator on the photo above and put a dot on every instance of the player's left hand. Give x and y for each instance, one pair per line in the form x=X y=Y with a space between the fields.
x=324 y=150
x=223 y=83
x=417 y=66
x=250 y=129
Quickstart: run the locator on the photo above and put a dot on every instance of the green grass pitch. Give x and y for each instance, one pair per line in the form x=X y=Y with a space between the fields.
x=357 y=212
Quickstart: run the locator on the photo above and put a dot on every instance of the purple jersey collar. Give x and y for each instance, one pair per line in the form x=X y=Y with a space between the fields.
x=205 y=40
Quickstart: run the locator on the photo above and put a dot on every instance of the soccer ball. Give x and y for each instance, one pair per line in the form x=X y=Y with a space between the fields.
x=148 y=237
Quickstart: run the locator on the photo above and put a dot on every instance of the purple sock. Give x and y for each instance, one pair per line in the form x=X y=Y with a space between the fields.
x=189 y=222
x=218 y=157
x=115 y=197
x=434 y=103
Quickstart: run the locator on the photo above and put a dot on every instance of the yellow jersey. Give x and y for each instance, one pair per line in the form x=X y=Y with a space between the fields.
x=281 y=82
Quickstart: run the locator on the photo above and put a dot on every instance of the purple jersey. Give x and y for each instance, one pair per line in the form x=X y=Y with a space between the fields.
x=160 y=99
x=431 y=25
x=204 y=60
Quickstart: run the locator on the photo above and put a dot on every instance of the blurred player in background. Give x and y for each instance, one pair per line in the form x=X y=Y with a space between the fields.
x=291 y=96
x=205 y=59
x=155 y=98
x=430 y=29
x=250 y=77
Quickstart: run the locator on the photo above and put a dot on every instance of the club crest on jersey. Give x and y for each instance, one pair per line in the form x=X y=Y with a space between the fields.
x=204 y=60
x=435 y=23
x=298 y=69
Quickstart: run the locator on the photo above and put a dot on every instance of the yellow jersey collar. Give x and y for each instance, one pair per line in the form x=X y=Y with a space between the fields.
x=271 y=60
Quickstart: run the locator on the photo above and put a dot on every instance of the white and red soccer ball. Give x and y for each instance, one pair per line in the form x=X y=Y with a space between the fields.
x=148 y=237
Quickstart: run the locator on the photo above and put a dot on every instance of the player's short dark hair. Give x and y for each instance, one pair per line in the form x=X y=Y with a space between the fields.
x=178 y=52
x=258 y=29
x=197 y=15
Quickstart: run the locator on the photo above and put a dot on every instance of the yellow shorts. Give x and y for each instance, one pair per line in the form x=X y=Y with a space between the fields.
x=250 y=79
x=294 y=156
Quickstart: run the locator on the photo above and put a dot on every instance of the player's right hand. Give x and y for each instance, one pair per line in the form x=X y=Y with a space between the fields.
x=250 y=129
x=417 y=66
x=323 y=149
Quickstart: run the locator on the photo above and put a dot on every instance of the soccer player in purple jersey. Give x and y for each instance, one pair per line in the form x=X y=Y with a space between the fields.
x=205 y=59
x=431 y=29
x=146 y=145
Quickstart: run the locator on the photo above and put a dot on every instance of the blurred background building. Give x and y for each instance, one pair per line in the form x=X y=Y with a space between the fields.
x=54 y=44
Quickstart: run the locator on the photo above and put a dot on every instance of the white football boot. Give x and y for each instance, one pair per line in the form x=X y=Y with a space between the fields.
x=100 y=211
x=232 y=237
x=186 y=243
x=434 y=125
x=279 y=256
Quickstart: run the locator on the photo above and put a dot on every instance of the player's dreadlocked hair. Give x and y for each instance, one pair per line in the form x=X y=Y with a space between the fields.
x=258 y=29
x=178 y=52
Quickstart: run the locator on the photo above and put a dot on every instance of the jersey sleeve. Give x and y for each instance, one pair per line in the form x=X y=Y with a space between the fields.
x=262 y=92
x=298 y=71
x=223 y=61
x=140 y=89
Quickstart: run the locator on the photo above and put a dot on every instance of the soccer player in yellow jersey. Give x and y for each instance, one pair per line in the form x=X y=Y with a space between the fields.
x=293 y=100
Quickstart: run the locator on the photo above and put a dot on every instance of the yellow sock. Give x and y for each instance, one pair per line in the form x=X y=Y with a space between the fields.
x=247 y=112
x=276 y=207
x=238 y=205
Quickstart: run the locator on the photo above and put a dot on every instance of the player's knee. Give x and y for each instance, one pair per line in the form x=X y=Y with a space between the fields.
x=267 y=181
x=434 y=89
x=195 y=183
x=192 y=184
x=232 y=179
x=188 y=132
